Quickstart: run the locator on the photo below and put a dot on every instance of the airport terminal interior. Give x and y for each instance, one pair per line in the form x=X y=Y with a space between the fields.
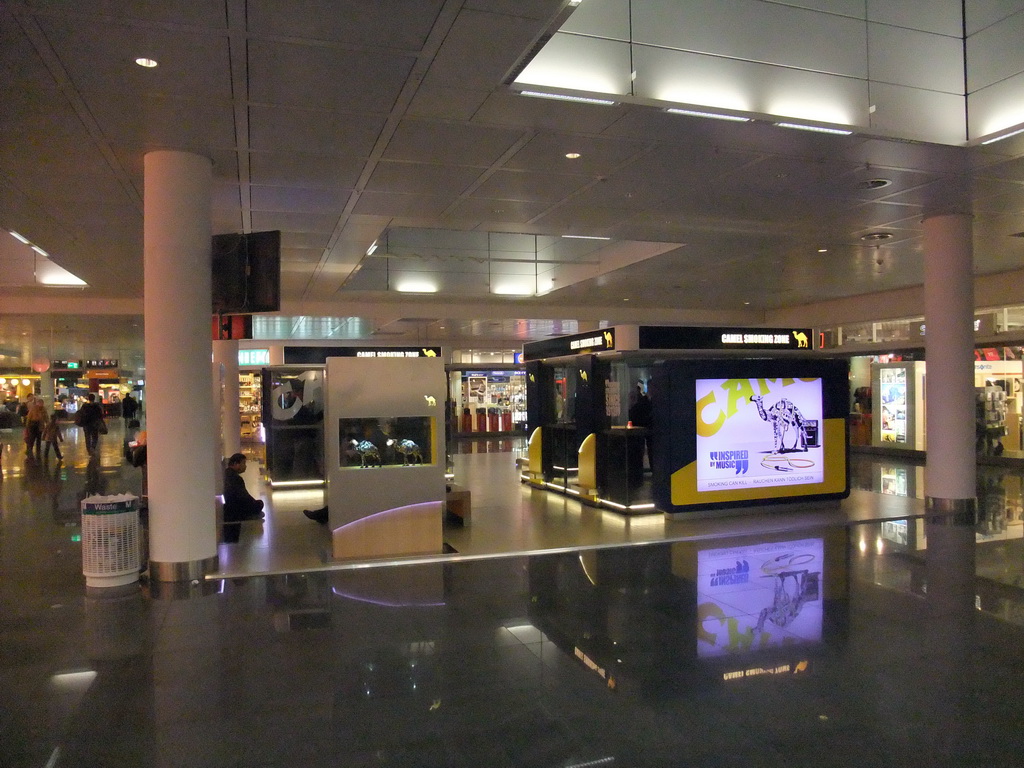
x=459 y=180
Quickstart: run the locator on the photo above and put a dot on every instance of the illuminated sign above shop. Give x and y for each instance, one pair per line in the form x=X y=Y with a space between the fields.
x=319 y=355
x=101 y=363
x=66 y=365
x=671 y=337
x=578 y=344
x=632 y=338
x=254 y=357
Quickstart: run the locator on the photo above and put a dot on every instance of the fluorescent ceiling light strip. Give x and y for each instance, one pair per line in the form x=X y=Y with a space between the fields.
x=987 y=141
x=584 y=237
x=40 y=251
x=562 y=97
x=712 y=115
x=815 y=128
x=20 y=238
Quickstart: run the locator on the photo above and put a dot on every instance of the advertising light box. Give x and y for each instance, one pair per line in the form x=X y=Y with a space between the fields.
x=747 y=432
x=760 y=596
x=769 y=438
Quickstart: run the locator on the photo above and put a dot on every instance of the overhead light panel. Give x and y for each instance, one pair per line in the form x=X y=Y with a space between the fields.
x=142 y=61
x=1004 y=136
x=585 y=237
x=40 y=251
x=815 y=128
x=371 y=249
x=563 y=97
x=20 y=238
x=712 y=115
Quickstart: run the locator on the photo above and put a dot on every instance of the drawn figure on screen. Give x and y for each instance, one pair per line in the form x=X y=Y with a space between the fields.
x=784 y=415
x=408 y=449
x=786 y=605
x=369 y=456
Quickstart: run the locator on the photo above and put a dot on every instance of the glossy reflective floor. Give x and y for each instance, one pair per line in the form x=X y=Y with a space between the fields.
x=798 y=645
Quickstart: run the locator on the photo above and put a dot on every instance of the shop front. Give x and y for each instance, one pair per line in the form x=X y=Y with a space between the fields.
x=486 y=402
x=888 y=397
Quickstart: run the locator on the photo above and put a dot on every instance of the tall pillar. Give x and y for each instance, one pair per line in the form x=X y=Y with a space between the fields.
x=181 y=456
x=949 y=473
x=225 y=354
x=949 y=350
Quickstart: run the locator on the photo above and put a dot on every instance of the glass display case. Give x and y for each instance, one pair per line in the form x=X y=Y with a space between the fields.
x=385 y=442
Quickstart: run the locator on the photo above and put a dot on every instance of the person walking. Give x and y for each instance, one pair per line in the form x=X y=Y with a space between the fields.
x=129 y=407
x=90 y=419
x=35 y=423
x=53 y=436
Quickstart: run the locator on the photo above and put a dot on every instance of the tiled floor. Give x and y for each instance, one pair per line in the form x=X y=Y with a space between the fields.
x=784 y=640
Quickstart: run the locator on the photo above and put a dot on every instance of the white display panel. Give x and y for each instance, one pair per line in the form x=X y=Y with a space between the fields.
x=761 y=434
x=759 y=596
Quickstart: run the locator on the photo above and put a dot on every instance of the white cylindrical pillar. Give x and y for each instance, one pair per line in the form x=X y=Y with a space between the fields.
x=182 y=519
x=225 y=354
x=949 y=351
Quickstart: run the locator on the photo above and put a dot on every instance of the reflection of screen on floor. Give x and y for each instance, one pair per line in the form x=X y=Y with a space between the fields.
x=755 y=433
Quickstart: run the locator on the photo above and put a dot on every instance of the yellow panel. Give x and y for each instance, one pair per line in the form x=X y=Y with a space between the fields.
x=684 y=480
x=536 y=453
x=587 y=477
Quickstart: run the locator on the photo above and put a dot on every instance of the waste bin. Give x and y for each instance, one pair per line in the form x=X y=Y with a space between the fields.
x=111 y=540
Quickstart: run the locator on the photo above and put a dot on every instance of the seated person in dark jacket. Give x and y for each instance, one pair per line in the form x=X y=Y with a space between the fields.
x=238 y=504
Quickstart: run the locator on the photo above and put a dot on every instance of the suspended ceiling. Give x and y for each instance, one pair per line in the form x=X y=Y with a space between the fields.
x=340 y=122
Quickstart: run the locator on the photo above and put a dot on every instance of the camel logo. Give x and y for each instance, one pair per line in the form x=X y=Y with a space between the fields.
x=801 y=340
x=432 y=353
x=583 y=375
x=609 y=340
x=431 y=401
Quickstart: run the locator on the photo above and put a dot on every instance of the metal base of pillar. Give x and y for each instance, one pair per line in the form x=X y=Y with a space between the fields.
x=188 y=571
x=952 y=512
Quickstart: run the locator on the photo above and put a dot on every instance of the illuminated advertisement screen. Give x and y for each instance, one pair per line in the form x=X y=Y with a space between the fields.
x=759 y=596
x=758 y=433
x=893 y=383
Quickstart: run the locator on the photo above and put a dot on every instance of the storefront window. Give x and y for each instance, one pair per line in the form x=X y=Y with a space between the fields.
x=487 y=400
x=293 y=400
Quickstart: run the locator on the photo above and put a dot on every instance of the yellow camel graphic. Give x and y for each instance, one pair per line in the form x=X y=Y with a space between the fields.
x=801 y=339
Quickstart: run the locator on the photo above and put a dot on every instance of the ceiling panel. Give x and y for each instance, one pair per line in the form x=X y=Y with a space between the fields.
x=449 y=143
x=400 y=24
x=279 y=129
x=295 y=75
x=304 y=169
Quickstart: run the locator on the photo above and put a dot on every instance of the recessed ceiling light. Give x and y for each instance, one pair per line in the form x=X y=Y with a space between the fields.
x=875 y=236
x=625 y=299
x=585 y=237
x=874 y=183
x=746 y=303
x=815 y=128
x=20 y=238
x=563 y=97
x=572 y=155
x=40 y=251
x=142 y=61
x=823 y=250
x=371 y=249
x=712 y=115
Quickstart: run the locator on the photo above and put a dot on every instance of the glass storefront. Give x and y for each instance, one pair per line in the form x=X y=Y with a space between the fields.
x=887 y=405
x=487 y=400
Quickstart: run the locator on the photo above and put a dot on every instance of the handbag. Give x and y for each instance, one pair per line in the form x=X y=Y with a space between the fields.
x=102 y=427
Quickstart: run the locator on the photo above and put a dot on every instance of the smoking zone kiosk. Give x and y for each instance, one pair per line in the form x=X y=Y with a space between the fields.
x=738 y=417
